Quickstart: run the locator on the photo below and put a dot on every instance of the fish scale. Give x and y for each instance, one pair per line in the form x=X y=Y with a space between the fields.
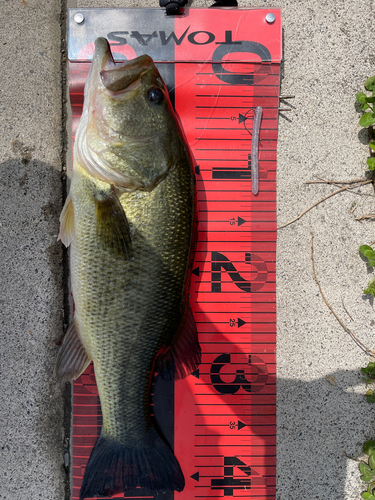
x=142 y=283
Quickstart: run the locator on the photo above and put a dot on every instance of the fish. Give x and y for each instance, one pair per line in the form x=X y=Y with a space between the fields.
x=130 y=224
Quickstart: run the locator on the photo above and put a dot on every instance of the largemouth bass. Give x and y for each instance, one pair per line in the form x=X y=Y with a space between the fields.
x=129 y=220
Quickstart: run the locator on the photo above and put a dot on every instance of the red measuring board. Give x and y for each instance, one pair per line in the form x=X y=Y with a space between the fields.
x=221 y=420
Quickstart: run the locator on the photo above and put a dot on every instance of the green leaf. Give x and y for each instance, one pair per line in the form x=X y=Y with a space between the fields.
x=370 y=83
x=366 y=478
x=367 y=119
x=364 y=106
x=371 y=398
x=369 y=369
x=367 y=496
x=365 y=248
x=371 y=461
x=369 y=253
x=361 y=96
x=367 y=380
x=371 y=163
x=371 y=284
x=372 y=145
x=369 y=99
x=369 y=447
x=364 y=468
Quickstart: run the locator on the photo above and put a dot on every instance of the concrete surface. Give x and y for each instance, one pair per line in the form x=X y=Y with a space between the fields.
x=31 y=272
x=329 y=50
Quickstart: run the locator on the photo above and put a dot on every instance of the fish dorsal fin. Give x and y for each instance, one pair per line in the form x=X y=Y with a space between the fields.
x=72 y=359
x=183 y=355
x=67 y=222
x=112 y=224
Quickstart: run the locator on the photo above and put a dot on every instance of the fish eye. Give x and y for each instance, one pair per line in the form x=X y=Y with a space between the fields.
x=155 y=95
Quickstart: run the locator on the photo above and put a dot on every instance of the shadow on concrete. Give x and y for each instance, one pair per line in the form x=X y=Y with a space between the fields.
x=31 y=321
x=318 y=423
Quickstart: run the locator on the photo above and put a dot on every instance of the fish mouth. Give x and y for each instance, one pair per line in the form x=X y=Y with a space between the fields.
x=122 y=77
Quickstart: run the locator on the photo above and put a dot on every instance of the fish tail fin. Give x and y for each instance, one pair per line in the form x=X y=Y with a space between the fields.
x=115 y=467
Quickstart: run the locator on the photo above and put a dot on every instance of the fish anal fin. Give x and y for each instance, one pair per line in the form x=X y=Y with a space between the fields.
x=67 y=222
x=112 y=224
x=72 y=359
x=183 y=355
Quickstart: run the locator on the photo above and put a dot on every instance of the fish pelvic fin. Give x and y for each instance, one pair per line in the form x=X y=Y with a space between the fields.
x=112 y=224
x=72 y=359
x=116 y=467
x=67 y=222
x=183 y=355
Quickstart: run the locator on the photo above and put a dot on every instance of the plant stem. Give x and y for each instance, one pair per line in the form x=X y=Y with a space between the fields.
x=330 y=307
x=323 y=181
x=326 y=198
x=354 y=459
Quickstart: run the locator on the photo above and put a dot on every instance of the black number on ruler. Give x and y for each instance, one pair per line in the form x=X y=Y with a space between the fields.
x=220 y=262
x=245 y=78
x=233 y=173
x=229 y=483
x=254 y=385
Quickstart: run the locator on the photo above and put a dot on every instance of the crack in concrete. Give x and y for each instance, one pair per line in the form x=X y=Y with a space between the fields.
x=67 y=392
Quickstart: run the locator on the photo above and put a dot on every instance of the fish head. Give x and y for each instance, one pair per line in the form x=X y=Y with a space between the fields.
x=131 y=135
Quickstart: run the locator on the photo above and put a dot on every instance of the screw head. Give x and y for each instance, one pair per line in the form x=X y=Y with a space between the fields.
x=79 y=18
x=270 y=18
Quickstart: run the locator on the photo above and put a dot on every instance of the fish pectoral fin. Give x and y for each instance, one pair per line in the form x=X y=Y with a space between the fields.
x=183 y=355
x=67 y=222
x=112 y=224
x=72 y=359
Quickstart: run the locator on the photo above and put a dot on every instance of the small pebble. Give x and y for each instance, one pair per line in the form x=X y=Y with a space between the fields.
x=331 y=379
